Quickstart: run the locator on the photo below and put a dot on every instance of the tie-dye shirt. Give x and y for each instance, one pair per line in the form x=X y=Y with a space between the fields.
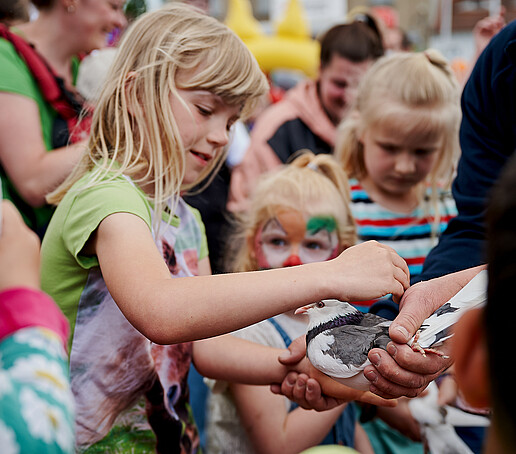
x=112 y=365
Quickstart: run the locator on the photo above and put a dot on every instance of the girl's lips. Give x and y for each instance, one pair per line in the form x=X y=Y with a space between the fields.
x=202 y=157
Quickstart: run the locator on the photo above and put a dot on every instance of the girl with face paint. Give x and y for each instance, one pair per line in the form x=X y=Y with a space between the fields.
x=298 y=214
x=293 y=238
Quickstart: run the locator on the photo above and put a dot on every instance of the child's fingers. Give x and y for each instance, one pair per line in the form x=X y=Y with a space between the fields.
x=402 y=283
x=295 y=352
x=402 y=266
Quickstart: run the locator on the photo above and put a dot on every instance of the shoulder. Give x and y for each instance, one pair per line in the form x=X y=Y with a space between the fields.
x=88 y=203
x=14 y=74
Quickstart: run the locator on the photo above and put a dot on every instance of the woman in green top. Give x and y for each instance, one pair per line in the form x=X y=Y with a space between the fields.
x=63 y=30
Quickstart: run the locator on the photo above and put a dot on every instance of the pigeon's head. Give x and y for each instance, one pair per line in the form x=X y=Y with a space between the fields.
x=326 y=310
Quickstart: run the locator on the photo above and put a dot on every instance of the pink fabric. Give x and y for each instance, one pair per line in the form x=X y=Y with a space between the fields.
x=24 y=307
x=301 y=102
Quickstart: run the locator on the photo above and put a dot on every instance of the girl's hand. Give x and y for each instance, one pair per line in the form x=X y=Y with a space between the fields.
x=306 y=392
x=371 y=270
x=315 y=390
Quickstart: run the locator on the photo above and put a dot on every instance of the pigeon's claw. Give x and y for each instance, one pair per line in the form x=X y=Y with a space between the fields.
x=417 y=348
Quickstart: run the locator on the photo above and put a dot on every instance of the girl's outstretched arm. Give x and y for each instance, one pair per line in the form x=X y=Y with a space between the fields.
x=232 y=359
x=171 y=310
x=272 y=429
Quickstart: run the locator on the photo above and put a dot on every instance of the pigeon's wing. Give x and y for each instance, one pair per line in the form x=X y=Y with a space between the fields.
x=437 y=328
x=345 y=349
x=373 y=320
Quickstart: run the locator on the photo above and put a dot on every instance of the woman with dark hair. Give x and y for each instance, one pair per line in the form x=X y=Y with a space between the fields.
x=38 y=66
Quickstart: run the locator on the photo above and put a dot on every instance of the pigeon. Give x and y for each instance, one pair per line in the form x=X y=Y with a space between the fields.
x=340 y=336
x=438 y=423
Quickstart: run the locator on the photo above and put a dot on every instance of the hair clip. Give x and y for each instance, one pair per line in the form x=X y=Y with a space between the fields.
x=313 y=166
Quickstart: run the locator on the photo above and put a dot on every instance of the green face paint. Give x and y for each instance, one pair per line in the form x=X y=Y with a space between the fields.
x=318 y=223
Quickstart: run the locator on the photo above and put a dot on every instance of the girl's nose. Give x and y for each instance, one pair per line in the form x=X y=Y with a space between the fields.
x=405 y=163
x=292 y=260
x=218 y=136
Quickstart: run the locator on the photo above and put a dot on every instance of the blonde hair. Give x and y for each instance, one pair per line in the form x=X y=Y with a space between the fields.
x=422 y=82
x=311 y=184
x=133 y=124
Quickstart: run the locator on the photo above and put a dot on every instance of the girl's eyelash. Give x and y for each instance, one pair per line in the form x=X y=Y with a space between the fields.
x=203 y=111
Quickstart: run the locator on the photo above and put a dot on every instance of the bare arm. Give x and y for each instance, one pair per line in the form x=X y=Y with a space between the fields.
x=19 y=251
x=169 y=310
x=233 y=359
x=33 y=171
x=272 y=429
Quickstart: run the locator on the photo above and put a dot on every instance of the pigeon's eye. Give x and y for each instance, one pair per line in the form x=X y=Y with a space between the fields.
x=320 y=304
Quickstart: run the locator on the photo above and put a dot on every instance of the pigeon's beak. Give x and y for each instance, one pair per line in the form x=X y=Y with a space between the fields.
x=302 y=310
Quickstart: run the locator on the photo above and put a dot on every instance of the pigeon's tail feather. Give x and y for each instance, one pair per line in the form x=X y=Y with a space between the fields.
x=437 y=328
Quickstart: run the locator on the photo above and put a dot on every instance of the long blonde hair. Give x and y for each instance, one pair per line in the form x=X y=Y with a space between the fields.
x=311 y=184
x=422 y=82
x=134 y=131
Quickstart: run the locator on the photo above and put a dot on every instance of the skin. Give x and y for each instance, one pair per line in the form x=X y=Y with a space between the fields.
x=58 y=36
x=399 y=371
x=397 y=162
x=170 y=310
x=205 y=136
x=19 y=251
x=271 y=428
x=338 y=84
x=286 y=241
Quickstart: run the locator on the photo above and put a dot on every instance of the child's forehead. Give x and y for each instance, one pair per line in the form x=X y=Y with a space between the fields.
x=417 y=123
x=306 y=217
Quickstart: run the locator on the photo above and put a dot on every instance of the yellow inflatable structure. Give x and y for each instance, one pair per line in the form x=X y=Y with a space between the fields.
x=291 y=47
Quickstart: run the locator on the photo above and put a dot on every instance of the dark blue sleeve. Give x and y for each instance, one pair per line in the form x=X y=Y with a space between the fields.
x=488 y=139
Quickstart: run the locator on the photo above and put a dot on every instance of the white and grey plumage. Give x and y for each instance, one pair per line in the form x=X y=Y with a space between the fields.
x=339 y=336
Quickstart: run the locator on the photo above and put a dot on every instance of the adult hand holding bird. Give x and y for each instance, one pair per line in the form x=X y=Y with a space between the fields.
x=340 y=337
x=400 y=371
x=316 y=390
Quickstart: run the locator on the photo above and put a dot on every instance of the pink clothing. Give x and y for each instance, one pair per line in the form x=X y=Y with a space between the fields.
x=301 y=102
x=23 y=307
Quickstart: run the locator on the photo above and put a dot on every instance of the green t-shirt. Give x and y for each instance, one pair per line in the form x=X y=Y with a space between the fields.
x=15 y=77
x=111 y=363
x=64 y=268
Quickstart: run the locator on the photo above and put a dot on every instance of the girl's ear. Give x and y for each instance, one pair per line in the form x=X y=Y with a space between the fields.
x=471 y=360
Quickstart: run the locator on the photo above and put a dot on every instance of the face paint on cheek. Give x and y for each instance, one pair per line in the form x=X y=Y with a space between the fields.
x=261 y=260
x=279 y=239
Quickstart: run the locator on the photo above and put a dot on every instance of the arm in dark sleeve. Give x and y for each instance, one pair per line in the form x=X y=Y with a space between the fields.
x=488 y=139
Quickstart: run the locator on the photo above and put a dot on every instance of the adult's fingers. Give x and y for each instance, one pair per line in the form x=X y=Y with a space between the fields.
x=389 y=379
